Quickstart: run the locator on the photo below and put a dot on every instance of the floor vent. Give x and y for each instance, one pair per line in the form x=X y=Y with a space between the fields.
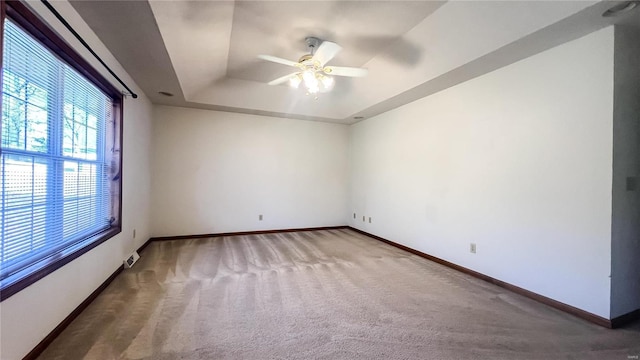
x=128 y=262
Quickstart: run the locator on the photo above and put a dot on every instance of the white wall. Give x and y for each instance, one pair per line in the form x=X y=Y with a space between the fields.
x=517 y=161
x=28 y=316
x=625 y=232
x=216 y=172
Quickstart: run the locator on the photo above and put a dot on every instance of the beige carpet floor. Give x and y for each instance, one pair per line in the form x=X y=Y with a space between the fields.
x=331 y=294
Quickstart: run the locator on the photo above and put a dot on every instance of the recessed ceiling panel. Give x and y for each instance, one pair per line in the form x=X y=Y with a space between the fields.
x=206 y=52
x=196 y=35
x=363 y=28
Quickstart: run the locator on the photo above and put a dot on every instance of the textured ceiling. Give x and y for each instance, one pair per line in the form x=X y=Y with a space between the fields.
x=205 y=52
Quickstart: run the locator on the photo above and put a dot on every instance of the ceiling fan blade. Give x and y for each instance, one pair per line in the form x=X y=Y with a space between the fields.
x=345 y=71
x=278 y=60
x=326 y=51
x=283 y=79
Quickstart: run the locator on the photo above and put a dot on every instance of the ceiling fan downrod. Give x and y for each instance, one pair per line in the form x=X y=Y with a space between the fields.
x=312 y=43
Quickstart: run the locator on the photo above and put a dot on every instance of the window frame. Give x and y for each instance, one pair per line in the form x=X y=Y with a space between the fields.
x=20 y=14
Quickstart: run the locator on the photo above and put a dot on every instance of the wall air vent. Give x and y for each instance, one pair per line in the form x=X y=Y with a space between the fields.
x=128 y=262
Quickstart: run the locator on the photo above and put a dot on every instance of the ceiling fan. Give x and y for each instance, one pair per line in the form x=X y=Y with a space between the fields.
x=312 y=69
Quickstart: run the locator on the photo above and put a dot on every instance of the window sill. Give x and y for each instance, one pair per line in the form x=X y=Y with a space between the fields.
x=30 y=275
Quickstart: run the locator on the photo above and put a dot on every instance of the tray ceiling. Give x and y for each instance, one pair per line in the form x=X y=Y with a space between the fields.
x=205 y=52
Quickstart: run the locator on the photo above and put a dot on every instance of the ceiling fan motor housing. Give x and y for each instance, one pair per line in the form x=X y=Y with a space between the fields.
x=312 y=43
x=306 y=57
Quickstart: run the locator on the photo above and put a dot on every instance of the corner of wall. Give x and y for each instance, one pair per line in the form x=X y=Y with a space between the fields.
x=625 y=227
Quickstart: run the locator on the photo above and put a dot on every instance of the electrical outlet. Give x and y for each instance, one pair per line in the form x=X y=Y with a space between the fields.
x=260 y=217
x=134 y=233
x=369 y=219
x=363 y=218
x=472 y=248
x=354 y=215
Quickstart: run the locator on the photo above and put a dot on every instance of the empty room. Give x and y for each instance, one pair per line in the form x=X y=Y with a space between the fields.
x=320 y=179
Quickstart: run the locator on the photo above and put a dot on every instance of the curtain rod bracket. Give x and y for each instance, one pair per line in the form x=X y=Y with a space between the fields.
x=128 y=93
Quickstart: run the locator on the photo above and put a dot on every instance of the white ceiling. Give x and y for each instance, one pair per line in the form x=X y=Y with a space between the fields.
x=205 y=52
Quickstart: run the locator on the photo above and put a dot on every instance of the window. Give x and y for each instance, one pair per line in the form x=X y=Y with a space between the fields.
x=60 y=154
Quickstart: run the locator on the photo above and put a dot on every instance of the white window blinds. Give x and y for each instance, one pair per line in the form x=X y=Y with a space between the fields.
x=58 y=167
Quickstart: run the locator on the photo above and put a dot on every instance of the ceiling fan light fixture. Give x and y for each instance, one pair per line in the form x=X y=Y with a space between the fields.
x=327 y=83
x=309 y=77
x=315 y=81
x=313 y=87
x=295 y=81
